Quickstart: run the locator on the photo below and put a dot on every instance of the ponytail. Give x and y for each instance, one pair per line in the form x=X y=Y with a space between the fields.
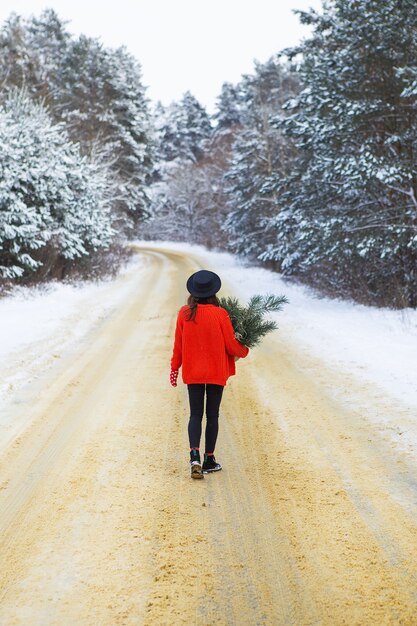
x=193 y=301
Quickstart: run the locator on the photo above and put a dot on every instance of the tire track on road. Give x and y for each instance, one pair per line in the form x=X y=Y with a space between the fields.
x=312 y=520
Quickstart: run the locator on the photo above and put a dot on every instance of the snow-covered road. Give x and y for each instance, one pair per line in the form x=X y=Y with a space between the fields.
x=312 y=519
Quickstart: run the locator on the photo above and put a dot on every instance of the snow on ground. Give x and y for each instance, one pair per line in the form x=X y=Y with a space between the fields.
x=377 y=345
x=38 y=324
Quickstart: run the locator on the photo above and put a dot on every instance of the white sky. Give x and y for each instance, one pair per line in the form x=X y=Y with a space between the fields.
x=183 y=44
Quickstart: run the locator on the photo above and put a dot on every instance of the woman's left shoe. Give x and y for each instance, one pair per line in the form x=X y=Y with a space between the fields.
x=195 y=464
x=210 y=464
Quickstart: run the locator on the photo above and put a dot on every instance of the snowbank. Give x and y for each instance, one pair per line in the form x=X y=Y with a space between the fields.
x=38 y=324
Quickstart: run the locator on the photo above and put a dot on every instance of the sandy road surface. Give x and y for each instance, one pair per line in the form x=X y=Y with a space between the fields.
x=312 y=521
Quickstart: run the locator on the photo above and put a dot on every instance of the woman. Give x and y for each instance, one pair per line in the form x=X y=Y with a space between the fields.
x=206 y=348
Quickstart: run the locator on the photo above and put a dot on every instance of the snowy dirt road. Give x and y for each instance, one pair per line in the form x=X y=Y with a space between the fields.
x=311 y=521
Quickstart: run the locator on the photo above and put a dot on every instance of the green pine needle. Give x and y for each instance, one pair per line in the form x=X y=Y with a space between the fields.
x=248 y=322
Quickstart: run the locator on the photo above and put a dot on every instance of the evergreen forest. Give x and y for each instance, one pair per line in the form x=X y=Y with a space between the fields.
x=308 y=166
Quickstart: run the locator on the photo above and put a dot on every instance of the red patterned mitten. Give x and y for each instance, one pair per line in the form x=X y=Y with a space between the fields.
x=173 y=377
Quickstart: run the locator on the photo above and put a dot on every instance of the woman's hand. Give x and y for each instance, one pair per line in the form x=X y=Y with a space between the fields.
x=173 y=377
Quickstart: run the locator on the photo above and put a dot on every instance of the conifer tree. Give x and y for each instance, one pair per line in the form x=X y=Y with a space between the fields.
x=54 y=204
x=183 y=189
x=104 y=107
x=30 y=54
x=229 y=108
x=97 y=92
x=182 y=129
x=348 y=210
x=259 y=156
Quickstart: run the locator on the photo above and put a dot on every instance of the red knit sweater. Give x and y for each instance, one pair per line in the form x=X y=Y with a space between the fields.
x=206 y=346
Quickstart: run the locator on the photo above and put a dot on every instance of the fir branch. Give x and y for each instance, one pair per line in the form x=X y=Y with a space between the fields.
x=248 y=322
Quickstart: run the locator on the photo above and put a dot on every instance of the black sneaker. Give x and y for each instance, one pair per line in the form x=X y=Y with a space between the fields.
x=210 y=464
x=195 y=464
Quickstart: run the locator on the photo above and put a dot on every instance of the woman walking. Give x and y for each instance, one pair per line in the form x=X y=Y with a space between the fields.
x=206 y=348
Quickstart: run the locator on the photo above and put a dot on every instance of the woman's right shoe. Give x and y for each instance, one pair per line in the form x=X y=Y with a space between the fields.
x=210 y=464
x=195 y=465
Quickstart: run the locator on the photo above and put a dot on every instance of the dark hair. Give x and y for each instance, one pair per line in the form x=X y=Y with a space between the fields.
x=193 y=301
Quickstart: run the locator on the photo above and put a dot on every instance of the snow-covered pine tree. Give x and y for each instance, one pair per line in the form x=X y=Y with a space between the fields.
x=47 y=40
x=30 y=54
x=183 y=190
x=54 y=204
x=190 y=199
x=182 y=129
x=16 y=65
x=96 y=91
x=102 y=101
x=348 y=211
x=229 y=108
x=259 y=156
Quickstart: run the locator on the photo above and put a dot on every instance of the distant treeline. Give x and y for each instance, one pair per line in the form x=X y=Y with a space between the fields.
x=309 y=165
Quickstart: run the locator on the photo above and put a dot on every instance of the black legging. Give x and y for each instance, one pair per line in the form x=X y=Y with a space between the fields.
x=196 y=396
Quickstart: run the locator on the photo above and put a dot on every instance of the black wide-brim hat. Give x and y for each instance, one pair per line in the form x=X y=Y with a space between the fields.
x=203 y=284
